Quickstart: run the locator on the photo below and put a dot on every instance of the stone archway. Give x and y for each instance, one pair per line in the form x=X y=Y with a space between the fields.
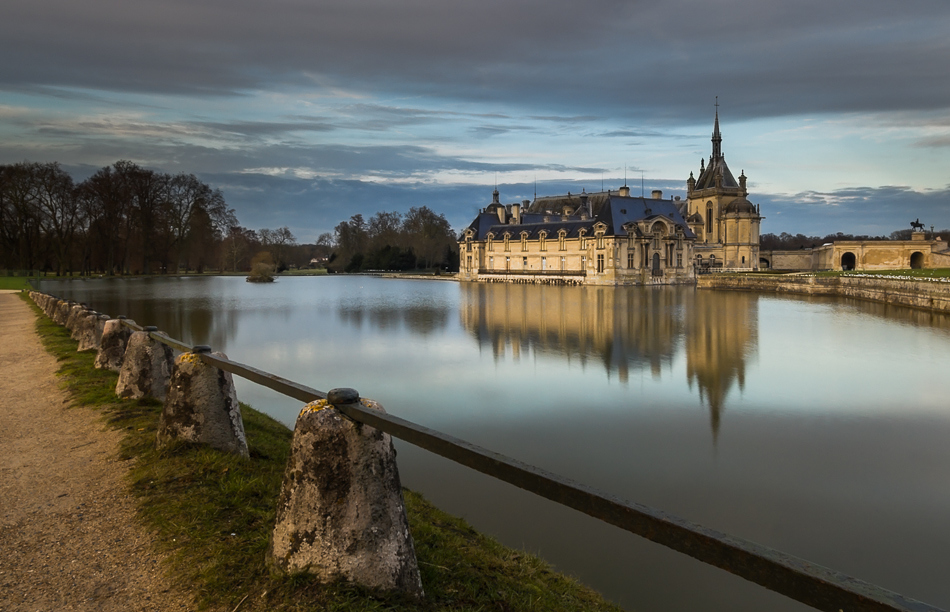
x=764 y=263
x=848 y=261
x=917 y=260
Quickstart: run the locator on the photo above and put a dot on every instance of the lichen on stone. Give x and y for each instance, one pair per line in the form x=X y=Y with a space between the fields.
x=316 y=406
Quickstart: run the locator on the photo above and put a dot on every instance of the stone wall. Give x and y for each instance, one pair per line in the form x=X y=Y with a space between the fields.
x=927 y=295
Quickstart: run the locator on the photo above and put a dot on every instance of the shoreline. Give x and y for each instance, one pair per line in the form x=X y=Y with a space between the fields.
x=923 y=294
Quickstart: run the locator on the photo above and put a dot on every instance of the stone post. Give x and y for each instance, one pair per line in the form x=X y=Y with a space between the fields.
x=340 y=513
x=146 y=367
x=202 y=406
x=61 y=312
x=76 y=312
x=90 y=331
x=115 y=337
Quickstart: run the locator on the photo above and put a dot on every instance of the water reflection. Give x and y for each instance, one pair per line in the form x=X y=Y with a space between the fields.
x=626 y=329
x=722 y=333
x=421 y=319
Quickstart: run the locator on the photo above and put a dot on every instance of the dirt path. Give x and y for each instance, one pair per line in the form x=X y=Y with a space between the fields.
x=68 y=536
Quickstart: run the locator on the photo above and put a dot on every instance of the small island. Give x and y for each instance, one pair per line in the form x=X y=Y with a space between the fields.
x=261 y=273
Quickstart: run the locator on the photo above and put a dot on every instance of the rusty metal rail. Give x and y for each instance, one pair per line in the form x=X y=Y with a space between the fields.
x=798 y=579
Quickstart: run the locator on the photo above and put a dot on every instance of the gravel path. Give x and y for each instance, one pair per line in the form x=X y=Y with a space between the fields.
x=68 y=535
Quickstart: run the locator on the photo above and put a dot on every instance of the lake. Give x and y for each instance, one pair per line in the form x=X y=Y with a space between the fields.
x=816 y=426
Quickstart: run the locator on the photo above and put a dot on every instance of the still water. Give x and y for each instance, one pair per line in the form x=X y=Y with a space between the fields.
x=819 y=427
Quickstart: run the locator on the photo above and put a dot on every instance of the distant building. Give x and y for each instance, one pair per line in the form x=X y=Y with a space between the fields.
x=611 y=238
x=866 y=255
x=600 y=239
x=718 y=211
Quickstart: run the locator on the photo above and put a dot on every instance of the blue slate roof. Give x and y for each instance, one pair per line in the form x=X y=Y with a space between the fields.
x=614 y=213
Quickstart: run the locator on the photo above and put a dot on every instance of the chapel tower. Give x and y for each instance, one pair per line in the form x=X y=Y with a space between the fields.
x=725 y=222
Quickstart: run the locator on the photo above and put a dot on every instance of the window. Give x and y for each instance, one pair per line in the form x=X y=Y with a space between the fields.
x=708 y=221
x=544 y=263
x=600 y=240
x=507 y=263
x=600 y=263
x=562 y=263
x=524 y=241
x=583 y=262
x=468 y=262
x=488 y=242
x=560 y=239
x=583 y=239
x=542 y=236
x=630 y=258
x=507 y=246
x=524 y=263
x=743 y=259
x=679 y=260
x=491 y=263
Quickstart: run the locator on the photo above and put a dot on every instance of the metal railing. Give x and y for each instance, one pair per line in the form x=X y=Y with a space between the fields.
x=796 y=578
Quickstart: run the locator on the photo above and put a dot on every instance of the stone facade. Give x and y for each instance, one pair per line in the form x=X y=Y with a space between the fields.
x=718 y=211
x=611 y=238
x=918 y=252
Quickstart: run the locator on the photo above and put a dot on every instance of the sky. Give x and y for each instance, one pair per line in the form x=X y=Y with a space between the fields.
x=305 y=112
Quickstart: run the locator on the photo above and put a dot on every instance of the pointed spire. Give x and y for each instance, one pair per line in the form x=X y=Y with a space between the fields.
x=716 y=136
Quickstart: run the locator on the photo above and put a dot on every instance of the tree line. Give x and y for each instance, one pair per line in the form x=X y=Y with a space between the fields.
x=418 y=239
x=123 y=219
x=126 y=219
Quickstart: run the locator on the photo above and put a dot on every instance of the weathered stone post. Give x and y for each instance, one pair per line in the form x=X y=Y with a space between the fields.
x=202 y=406
x=90 y=331
x=61 y=311
x=145 y=368
x=76 y=312
x=340 y=513
x=115 y=337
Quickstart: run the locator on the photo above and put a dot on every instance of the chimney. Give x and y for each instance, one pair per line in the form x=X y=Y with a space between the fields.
x=657 y=194
x=516 y=213
x=625 y=192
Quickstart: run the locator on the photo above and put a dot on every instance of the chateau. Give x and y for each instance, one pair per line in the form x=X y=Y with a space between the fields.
x=611 y=238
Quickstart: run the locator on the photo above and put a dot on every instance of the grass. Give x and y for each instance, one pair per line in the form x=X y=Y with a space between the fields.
x=305 y=272
x=214 y=512
x=14 y=282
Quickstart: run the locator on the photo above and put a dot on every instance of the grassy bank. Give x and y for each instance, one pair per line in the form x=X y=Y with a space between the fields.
x=214 y=512
x=18 y=283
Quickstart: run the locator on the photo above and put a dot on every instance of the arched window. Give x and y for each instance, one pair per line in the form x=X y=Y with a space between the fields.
x=561 y=235
x=488 y=242
x=542 y=236
x=709 y=220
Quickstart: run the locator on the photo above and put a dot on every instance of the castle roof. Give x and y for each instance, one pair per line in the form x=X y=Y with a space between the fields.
x=614 y=211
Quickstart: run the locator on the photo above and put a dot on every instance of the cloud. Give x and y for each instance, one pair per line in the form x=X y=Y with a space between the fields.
x=861 y=210
x=605 y=58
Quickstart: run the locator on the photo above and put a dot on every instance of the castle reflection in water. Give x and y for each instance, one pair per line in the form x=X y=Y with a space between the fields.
x=625 y=329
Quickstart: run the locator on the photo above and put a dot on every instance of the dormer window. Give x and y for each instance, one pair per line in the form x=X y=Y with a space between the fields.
x=542 y=236
x=489 y=239
x=561 y=235
x=524 y=241
x=507 y=242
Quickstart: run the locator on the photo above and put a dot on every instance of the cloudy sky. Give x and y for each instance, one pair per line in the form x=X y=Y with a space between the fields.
x=304 y=112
